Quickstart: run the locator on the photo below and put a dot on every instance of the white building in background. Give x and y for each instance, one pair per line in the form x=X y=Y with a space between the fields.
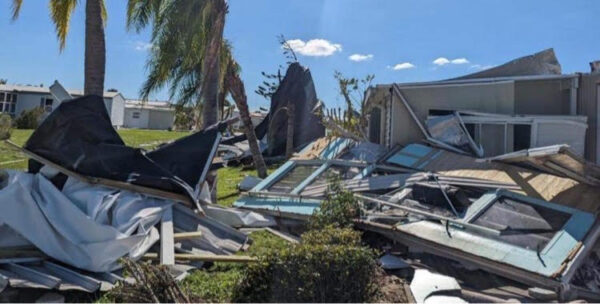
x=14 y=99
x=154 y=115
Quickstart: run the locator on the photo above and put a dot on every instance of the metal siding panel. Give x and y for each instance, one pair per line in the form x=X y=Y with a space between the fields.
x=588 y=104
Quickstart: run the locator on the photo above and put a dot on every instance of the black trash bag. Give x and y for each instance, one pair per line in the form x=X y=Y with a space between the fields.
x=79 y=136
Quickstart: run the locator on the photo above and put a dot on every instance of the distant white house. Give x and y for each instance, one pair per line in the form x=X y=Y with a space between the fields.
x=154 y=115
x=255 y=116
x=14 y=99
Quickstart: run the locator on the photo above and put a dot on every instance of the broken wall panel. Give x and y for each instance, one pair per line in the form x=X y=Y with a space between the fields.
x=545 y=243
x=533 y=183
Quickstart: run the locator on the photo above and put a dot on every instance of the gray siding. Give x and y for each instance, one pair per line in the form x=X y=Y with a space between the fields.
x=543 y=97
x=497 y=97
x=587 y=104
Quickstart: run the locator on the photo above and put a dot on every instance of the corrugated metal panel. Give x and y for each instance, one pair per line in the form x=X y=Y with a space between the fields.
x=587 y=101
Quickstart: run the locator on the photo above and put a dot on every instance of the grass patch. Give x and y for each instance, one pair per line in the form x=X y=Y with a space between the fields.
x=228 y=179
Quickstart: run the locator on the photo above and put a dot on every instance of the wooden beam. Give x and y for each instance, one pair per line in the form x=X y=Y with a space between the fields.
x=206 y=257
x=167 y=243
x=187 y=235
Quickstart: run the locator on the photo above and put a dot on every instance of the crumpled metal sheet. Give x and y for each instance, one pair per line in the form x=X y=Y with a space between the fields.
x=86 y=226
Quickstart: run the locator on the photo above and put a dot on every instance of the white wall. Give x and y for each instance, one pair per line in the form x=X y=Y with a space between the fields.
x=117 y=110
x=161 y=120
x=27 y=101
x=136 y=123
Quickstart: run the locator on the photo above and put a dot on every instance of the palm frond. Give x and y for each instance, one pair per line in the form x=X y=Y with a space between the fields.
x=16 y=8
x=60 y=13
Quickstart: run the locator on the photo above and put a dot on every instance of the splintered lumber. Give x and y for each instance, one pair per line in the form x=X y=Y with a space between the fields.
x=187 y=235
x=206 y=257
x=167 y=244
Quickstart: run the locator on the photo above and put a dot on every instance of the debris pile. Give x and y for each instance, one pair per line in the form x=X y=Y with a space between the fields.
x=88 y=201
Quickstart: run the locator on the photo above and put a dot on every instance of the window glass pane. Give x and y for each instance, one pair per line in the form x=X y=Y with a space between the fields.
x=521 y=137
x=292 y=179
x=1 y=97
x=341 y=172
x=12 y=108
x=521 y=224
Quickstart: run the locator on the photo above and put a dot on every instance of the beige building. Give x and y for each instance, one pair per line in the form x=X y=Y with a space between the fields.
x=558 y=108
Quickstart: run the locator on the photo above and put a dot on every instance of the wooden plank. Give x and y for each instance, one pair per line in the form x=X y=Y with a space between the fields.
x=167 y=242
x=206 y=257
x=187 y=235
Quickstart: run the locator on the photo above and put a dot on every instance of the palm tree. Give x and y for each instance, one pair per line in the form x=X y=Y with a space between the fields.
x=95 y=49
x=238 y=92
x=191 y=57
x=187 y=38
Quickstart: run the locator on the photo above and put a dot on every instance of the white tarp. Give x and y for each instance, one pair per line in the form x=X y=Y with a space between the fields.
x=86 y=226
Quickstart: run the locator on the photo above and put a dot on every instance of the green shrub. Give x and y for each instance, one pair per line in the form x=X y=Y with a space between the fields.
x=332 y=236
x=29 y=119
x=5 y=126
x=339 y=209
x=327 y=266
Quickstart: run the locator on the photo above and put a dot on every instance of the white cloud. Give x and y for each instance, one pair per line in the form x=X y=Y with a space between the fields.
x=314 y=47
x=143 y=46
x=441 y=61
x=360 y=57
x=402 y=66
x=462 y=60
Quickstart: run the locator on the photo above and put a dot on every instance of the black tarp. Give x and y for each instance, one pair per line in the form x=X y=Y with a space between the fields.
x=79 y=136
x=298 y=88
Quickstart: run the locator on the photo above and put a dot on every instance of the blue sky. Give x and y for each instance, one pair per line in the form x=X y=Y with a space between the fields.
x=396 y=40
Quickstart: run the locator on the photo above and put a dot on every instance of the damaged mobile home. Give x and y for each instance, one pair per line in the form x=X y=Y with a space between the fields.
x=495 y=172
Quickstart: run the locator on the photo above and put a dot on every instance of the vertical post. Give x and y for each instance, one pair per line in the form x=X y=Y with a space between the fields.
x=289 y=143
x=573 y=96
x=167 y=241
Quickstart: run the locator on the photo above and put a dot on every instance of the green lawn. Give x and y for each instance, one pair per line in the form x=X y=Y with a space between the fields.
x=228 y=179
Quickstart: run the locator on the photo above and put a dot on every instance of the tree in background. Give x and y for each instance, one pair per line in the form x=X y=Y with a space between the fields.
x=352 y=121
x=95 y=49
x=192 y=58
x=238 y=92
x=187 y=37
x=271 y=83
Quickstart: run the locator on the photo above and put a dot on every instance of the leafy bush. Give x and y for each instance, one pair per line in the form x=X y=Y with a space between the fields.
x=329 y=265
x=332 y=236
x=29 y=119
x=339 y=209
x=5 y=126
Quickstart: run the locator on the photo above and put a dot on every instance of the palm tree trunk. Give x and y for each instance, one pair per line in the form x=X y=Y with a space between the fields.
x=210 y=88
x=95 y=49
x=239 y=96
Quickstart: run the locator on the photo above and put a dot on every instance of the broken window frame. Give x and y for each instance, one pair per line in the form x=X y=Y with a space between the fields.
x=286 y=168
x=479 y=119
x=464 y=235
